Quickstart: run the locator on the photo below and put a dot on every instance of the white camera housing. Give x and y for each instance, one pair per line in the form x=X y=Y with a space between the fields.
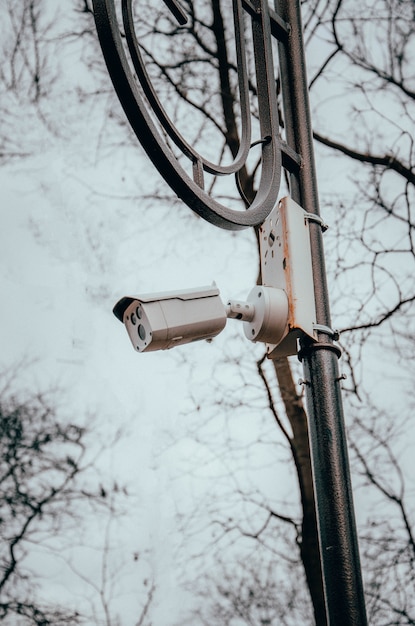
x=163 y=320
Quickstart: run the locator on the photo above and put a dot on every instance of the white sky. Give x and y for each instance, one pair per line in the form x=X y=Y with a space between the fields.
x=58 y=296
x=75 y=238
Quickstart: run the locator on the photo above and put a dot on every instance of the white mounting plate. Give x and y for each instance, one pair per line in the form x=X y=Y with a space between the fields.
x=286 y=264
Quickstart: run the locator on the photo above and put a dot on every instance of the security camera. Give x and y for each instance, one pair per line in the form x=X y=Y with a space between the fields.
x=279 y=313
x=164 y=320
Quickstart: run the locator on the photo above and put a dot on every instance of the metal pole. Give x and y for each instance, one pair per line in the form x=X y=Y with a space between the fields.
x=342 y=578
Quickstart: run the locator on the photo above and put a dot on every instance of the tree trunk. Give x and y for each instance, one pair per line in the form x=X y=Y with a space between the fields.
x=309 y=547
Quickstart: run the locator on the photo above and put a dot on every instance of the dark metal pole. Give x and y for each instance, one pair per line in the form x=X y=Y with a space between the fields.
x=342 y=577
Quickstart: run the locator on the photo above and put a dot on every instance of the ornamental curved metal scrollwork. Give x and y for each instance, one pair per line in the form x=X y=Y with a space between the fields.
x=192 y=191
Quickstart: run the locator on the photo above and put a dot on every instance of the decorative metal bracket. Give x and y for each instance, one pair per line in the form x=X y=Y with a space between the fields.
x=127 y=69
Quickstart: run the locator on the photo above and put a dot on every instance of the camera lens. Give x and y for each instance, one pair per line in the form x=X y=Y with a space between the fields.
x=133 y=319
x=141 y=332
x=139 y=312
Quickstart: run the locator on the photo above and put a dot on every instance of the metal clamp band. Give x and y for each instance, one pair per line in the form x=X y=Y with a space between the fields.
x=312 y=217
x=319 y=346
x=321 y=328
